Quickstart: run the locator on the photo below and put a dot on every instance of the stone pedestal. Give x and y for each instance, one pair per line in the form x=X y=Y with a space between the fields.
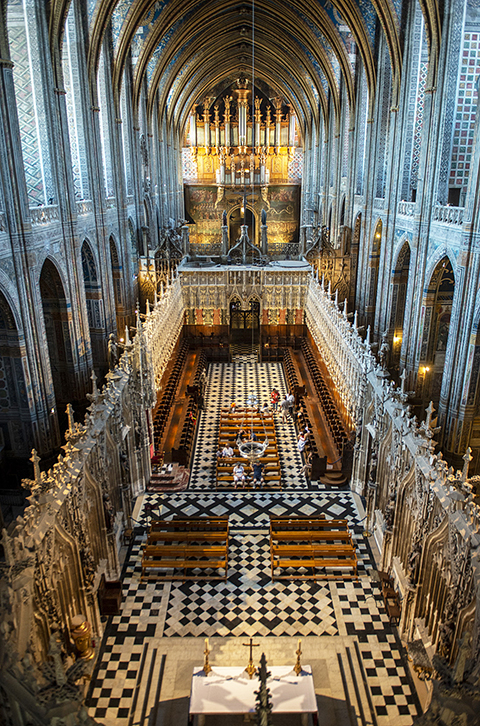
x=224 y=239
x=264 y=239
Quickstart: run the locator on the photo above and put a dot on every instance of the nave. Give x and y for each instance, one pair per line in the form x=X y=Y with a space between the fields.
x=148 y=651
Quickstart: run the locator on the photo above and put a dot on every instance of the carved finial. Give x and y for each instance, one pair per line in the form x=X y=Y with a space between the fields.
x=403 y=378
x=329 y=288
x=148 y=306
x=35 y=459
x=161 y=288
x=71 y=420
x=345 y=308
x=367 y=338
x=94 y=386
x=336 y=298
x=323 y=281
x=127 y=336
x=467 y=459
x=355 y=320
x=155 y=299
x=139 y=322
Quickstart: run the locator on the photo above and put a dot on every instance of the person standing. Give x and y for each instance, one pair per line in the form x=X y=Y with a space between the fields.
x=274 y=397
x=284 y=407
x=291 y=404
x=301 y=442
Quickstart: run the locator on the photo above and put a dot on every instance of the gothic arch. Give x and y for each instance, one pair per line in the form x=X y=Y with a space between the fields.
x=57 y=317
x=399 y=283
x=16 y=435
x=437 y=310
x=118 y=285
x=94 y=302
x=236 y=220
x=372 y=274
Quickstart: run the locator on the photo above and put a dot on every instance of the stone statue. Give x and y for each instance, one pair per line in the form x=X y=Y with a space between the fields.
x=224 y=218
x=264 y=216
x=112 y=353
x=384 y=351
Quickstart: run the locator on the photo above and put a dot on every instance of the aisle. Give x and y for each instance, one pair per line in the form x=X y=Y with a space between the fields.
x=148 y=652
x=228 y=382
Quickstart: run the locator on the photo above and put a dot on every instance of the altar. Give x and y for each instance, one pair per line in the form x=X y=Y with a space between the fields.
x=229 y=690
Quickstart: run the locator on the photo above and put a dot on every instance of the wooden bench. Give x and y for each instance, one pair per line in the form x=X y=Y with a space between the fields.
x=177 y=547
x=305 y=548
x=229 y=427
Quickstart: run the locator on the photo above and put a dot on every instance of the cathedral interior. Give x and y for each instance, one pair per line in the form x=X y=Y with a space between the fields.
x=239 y=362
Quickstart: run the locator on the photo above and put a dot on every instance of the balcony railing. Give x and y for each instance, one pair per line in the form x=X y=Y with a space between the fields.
x=84 y=207
x=448 y=214
x=407 y=209
x=45 y=214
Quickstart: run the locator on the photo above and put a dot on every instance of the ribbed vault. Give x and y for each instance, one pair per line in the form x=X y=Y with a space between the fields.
x=306 y=51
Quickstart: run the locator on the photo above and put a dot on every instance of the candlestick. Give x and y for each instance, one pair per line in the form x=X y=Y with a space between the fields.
x=298 y=666
x=206 y=665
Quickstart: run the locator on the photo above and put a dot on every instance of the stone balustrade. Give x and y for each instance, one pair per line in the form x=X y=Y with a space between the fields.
x=85 y=206
x=416 y=505
x=448 y=214
x=407 y=209
x=162 y=328
x=44 y=214
x=342 y=348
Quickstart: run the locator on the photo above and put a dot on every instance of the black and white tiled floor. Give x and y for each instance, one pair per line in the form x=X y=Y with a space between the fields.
x=234 y=382
x=249 y=603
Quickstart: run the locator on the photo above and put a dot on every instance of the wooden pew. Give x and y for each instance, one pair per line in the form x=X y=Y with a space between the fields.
x=305 y=548
x=176 y=548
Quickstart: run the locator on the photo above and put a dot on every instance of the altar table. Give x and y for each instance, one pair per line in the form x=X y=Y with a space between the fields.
x=230 y=690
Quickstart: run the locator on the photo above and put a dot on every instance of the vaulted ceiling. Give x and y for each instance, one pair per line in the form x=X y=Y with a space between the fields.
x=306 y=51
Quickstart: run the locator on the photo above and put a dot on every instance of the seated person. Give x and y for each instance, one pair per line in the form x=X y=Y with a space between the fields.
x=238 y=474
x=265 y=409
x=258 y=468
x=301 y=442
x=227 y=450
x=242 y=435
x=233 y=407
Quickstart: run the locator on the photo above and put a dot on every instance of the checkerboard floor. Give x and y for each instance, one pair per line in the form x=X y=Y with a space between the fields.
x=249 y=603
x=234 y=382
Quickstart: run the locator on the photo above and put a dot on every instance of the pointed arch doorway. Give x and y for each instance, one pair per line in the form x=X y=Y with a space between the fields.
x=244 y=322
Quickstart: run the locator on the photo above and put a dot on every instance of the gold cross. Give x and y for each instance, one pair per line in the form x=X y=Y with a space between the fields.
x=251 y=670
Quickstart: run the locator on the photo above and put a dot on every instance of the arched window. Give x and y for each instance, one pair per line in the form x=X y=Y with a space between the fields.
x=76 y=130
x=25 y=45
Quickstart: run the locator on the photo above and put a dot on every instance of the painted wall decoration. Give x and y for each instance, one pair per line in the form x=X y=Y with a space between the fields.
x=205 y=205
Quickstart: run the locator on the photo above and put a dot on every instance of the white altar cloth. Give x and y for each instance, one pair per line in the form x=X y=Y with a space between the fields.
x=230 y=690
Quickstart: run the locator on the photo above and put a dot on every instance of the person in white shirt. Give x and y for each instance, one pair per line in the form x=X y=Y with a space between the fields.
x=227 y=450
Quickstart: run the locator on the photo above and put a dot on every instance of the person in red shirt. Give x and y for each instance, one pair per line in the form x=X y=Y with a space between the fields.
x=275 y=397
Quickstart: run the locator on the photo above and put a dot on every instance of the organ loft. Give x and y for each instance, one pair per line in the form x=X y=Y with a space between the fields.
x=239 y=362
